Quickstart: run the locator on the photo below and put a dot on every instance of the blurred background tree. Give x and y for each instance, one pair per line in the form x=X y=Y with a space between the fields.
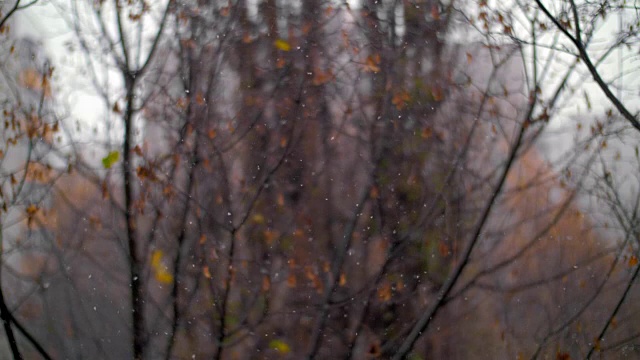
x=315 y=179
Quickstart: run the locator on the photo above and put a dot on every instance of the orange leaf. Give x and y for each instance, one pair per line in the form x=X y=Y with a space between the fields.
x=374 y=350
x=437 y=93
x=508 y=30
x=400 y=99
x=343 y=280
x=306 y=28
x=427 y=132
x=384 y=292
x=326 y=266
x=372 y=63
x=266 y=283
x=633 y=261
x=443 y=249
x=374 y=193
x=328 y=11
x=105 y=190
x=292 y=281
x=435 y=13
x=31 y=79
x=206 y=272
x=188 y=43
x=182 y=103
x=321 y=77
x=269 y=236
x=32 y=210
x=200 y=98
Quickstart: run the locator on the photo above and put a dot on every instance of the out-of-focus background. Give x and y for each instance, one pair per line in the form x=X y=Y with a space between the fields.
x=314 y=179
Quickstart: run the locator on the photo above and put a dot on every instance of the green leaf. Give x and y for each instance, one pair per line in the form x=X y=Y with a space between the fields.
x=280 y=346
x=110 y=159
x=586 y=99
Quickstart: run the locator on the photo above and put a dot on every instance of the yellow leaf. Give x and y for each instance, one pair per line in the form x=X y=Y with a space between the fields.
x=258 y=219
x=31 y=210
x=280 y=346
x=156 y=258
x=282 y=45
x=164 y=277
x=160 y=271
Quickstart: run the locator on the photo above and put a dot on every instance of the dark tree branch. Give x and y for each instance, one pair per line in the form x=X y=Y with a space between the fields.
x=15 y=8
x=424 y=321
x=137 y=308
x=582 y=51
x=6 y=322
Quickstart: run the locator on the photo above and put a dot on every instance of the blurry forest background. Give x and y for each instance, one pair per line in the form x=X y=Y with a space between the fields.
x=288 y=179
